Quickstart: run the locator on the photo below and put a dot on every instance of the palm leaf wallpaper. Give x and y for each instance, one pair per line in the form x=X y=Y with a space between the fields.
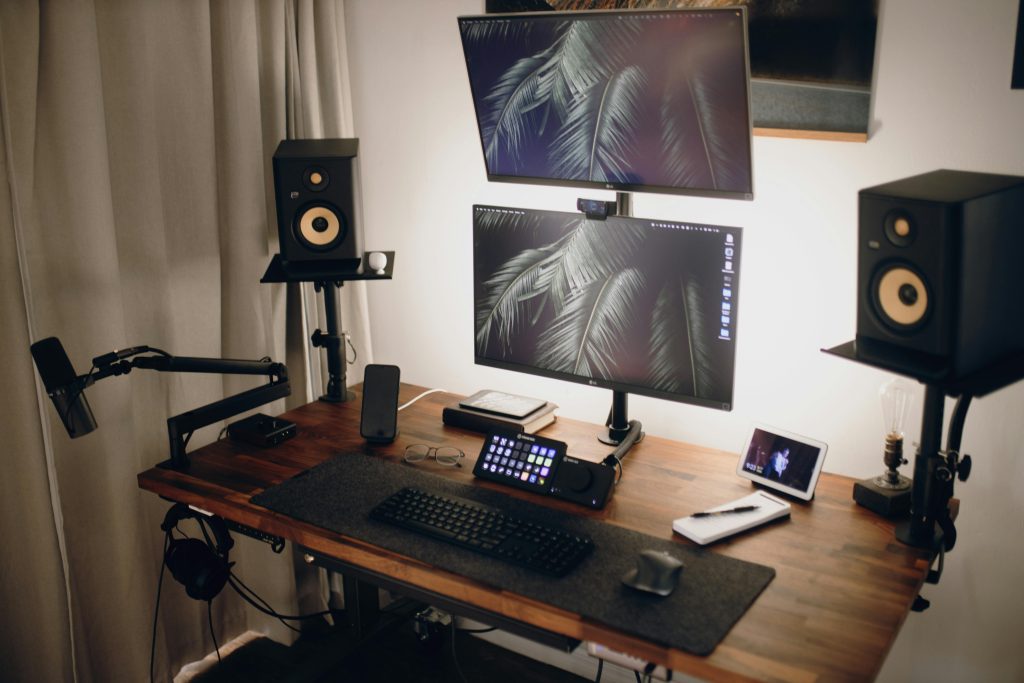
x=652 y=100
x=623 y=300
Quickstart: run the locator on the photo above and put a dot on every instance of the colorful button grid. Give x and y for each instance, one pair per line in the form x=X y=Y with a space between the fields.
x=530 y=463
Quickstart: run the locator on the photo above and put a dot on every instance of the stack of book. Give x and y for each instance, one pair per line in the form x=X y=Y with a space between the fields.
x=488 y=410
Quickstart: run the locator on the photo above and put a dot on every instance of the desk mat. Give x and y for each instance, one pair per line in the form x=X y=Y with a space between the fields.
x=712 y=594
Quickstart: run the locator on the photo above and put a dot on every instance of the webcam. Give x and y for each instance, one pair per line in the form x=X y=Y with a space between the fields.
x=595 y=208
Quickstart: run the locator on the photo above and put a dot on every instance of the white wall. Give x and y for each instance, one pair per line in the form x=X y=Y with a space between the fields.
x=942 y=100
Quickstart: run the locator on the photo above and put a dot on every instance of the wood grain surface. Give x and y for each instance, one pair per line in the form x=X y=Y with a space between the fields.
x=843 y=587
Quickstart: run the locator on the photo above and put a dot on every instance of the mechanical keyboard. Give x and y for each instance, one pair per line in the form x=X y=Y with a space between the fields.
x=541 y=547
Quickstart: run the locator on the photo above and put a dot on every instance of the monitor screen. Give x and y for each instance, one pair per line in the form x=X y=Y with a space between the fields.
x=655 y=101
x=634 y=305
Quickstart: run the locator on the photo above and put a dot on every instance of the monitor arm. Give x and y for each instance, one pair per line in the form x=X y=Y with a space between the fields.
x=180 y=427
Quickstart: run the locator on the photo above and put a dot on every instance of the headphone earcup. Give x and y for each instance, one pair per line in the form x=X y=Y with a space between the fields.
x=193 y=564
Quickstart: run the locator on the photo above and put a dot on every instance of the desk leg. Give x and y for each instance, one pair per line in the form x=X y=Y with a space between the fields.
x=362 y=605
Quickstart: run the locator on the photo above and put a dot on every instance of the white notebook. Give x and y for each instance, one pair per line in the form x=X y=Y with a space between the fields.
x=706 y=530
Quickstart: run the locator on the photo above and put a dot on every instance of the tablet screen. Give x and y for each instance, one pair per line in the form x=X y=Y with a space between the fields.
x=783 y=461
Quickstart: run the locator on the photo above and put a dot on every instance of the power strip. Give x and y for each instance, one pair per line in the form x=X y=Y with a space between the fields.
x=276 y=543
x=579 y=662
x=628 y=662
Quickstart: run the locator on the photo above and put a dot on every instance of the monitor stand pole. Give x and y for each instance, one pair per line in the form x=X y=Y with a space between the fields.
x=618 y=420
x=623 y=204
x=618 y=417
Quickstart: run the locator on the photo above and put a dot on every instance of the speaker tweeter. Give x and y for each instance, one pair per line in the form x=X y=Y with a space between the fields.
x=316 y=178
x=899 y=228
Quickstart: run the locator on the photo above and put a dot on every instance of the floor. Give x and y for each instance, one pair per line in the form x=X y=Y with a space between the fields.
x=394 y=652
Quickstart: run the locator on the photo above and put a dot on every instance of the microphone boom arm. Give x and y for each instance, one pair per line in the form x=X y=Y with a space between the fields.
x=180 y=427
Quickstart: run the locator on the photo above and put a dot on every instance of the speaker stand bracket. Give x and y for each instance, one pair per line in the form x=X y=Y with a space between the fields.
x=328 y=277
x=333 y=343
x=935 y=469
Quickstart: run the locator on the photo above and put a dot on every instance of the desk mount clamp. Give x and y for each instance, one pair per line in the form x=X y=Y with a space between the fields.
x=935 y=470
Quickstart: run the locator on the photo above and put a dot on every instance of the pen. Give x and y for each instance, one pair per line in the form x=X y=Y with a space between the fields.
x=742 y=508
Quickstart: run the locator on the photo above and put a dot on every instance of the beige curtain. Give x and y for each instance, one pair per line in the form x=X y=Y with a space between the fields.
x=136 y=207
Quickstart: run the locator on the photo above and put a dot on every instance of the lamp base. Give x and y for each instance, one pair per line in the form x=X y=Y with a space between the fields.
x=881 y=500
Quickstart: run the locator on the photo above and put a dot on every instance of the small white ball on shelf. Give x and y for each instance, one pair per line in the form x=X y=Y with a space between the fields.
x=377 y=261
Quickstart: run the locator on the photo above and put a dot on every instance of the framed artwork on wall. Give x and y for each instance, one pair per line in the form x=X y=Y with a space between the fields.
x=811 y=61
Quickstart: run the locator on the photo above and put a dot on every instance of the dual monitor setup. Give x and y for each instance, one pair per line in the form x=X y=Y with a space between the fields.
x=630 y=101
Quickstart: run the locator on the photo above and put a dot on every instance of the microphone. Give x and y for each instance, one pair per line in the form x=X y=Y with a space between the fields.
x=63 y=386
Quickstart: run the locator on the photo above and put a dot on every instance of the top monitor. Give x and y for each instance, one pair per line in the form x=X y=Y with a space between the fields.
x=653 y=101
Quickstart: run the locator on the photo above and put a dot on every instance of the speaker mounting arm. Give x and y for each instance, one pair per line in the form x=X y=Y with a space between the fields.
x=930 y=524
x=333 y=343
x=328 y=278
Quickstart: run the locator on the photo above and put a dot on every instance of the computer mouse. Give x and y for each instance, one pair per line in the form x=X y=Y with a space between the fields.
x=657 y=571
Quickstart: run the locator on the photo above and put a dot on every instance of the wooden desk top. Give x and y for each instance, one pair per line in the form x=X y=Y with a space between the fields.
x=843 y=587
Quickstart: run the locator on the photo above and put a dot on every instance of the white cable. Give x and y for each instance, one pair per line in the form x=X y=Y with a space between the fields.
x=430 y=391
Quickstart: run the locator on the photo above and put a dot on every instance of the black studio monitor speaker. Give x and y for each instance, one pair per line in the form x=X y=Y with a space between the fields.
x=940 y=270
x=313 y=186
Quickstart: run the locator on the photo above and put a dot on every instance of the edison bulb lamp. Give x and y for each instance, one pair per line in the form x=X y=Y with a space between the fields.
x=889 y=493
x=897 y=397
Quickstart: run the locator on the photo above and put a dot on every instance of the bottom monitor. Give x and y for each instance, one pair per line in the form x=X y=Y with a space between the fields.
x=634 y=305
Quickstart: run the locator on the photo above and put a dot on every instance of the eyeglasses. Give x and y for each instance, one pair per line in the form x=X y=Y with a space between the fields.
x=444 y=455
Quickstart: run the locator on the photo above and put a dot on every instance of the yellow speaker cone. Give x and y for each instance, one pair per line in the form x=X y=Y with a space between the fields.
x=903 y=296
x=319 y=226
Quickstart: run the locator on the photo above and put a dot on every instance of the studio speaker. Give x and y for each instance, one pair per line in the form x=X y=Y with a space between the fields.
x=940 y=270
x=313 y=186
